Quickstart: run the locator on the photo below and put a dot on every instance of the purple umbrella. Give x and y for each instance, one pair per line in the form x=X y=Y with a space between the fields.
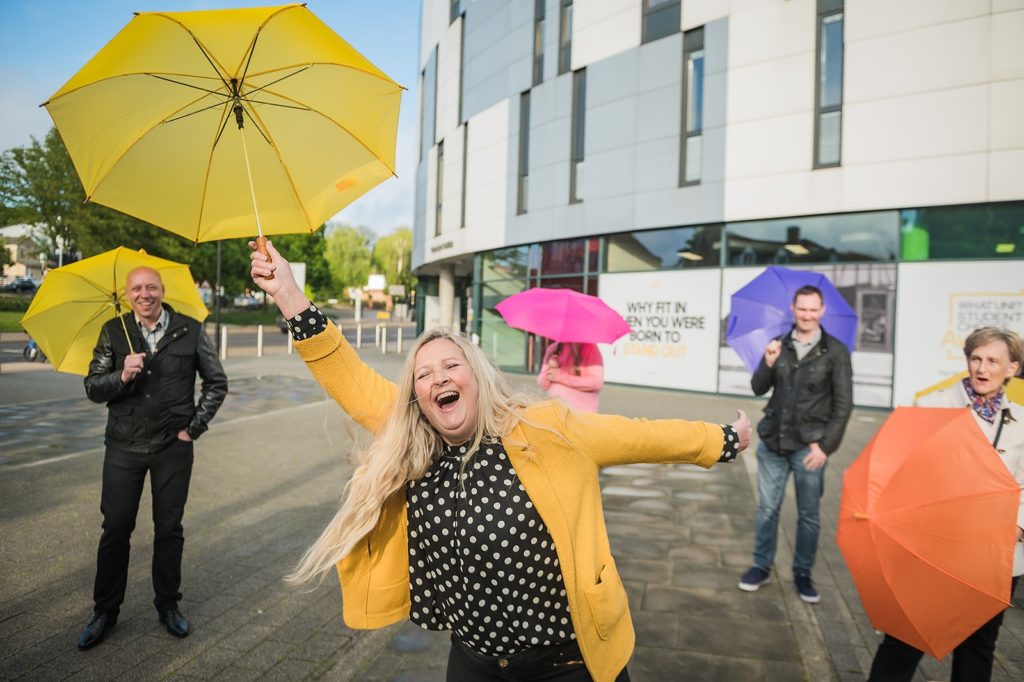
x=760 y=312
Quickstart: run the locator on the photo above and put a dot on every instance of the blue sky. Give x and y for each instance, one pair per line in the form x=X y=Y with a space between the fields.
x=44 y=42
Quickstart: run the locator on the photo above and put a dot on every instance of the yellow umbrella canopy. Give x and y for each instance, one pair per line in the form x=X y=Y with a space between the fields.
x=1014 y=390
x=75 y=301
x=152 y=122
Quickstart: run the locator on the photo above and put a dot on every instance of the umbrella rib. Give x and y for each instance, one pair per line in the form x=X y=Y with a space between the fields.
x=378 y=76
x=284 y=168
x=193 y=113
x=206 y=176
x=78 y=334
x=293 y=73
x=219 y=71
x=189 y=85
x=259 y=29
x=339 y=125
x=275 y=104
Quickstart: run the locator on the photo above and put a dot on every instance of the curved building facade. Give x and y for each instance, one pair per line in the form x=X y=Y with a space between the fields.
x=661 y=153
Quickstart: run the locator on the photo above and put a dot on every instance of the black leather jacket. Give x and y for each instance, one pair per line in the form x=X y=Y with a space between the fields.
x=813 y=397
x=147 y=413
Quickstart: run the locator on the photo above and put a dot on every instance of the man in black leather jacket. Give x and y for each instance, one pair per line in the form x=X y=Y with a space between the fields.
x=144 y=368
x=803 y=424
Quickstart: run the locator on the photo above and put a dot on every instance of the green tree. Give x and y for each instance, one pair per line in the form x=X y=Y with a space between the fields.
x=392 y=255
x=5 y=259
x=348 y=255
x=309 y=249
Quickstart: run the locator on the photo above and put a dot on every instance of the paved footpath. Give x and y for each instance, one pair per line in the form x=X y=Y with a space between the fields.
x=268 y=477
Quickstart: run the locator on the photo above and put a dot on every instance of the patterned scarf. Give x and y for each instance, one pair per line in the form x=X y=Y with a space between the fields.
x=986 y=409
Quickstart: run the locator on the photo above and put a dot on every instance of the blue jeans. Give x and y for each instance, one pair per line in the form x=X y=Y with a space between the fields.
x=773 y=471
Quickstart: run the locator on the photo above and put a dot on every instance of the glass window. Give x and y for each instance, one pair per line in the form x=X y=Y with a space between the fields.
x=672 y=249
x=828 y=104
x=575 y=283
x=821 y=239
x=454 y=10
x=440 y=187
x=465 y=164
x=562 y=257
x=981 y=231
x=505 y=346
x=510 y=263
x=428 y=101
x=524 y=152
x=579 y=106
x=538 y=41
x=693 y=107
x=565 y=38
x=661 y=18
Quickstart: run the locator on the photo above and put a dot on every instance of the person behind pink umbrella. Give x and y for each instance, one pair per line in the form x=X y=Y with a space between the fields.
x=573 y=372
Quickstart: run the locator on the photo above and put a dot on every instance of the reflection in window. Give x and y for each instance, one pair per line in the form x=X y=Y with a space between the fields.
x=828 y=106
x=440 y=187
x=981 y=231
x=822 y=239
x=693 y=107
x=661 y=18
x=538 y=41
x=579 y=106
x=454 y=10
x=565 y=38
x=672 y=249
x=510 y=263
x=563 y=257
x=524 y=152
x=428 y=102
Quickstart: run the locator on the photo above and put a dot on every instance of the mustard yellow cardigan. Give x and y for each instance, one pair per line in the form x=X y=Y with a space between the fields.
x=557 y=454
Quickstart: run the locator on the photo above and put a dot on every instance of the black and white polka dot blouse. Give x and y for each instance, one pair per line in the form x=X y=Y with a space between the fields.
x=309 y=322
x=481 y=562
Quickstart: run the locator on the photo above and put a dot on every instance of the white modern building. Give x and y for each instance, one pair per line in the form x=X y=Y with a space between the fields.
x=662 y=153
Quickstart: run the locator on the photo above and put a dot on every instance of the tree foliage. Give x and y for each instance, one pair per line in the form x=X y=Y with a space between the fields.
x=392 y=255
x=348 y=255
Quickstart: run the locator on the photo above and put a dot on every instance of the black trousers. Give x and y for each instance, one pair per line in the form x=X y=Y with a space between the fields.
x=896 y=661
x=124 y=473
x=558 y=663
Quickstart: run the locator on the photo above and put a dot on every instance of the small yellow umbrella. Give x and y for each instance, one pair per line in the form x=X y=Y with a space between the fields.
x=1014 y=390
x=75 y=301
x=163 y=122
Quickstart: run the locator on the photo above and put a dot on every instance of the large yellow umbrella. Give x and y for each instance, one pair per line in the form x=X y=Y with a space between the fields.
x=208 y=123
x=75 y=301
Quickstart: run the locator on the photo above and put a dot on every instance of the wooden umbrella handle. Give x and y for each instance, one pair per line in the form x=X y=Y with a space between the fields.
x=261 y=246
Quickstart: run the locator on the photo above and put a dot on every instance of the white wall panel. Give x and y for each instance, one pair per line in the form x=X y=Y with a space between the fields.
x=699 y=12
x=919 y=126
x=433 y=24
x=769 y=30
x=486 y=175
x=448 y=84
x=774 y=88
x=1007 y=54
x=960 y=179
x=1006 y=176
x=872 y=18
x=768 y=146
x=602 y=28
x=1006 y=114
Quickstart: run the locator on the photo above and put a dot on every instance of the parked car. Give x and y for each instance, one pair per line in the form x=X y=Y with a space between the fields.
x=281 y=324
x=247 y=302
x=21 y=285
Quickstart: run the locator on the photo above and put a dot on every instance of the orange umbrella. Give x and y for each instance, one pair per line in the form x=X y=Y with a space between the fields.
x=927 y=525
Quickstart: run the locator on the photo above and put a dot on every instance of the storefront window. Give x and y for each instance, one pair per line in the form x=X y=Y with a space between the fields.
x=989 y=231
x=562 y=257
x=853 y=237
x=671 y=249
x=508 y=263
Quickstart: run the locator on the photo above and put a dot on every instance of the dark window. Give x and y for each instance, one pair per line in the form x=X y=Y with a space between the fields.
x=579 y=115
x=440 y=187
x=454 y=10
x=828 y=101
x=565 y=38
x=428 y=101
x=524 y=151
x=538 y=41
x=462 y=67
x=670 y=249
x=984 y=231
x=661 y=18
x=691 y=149
x=465 y=163
x=563 y=257
x=821 y=239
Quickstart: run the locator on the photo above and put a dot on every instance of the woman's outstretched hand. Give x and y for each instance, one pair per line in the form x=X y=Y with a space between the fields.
x=742 y=426
x=283 y=287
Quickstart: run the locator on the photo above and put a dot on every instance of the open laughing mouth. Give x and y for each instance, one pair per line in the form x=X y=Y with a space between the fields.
x=447 y=400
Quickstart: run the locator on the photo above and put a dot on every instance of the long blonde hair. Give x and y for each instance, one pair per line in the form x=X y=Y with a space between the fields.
x=403 y=451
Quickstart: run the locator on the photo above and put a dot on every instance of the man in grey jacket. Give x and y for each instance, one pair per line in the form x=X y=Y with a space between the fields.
x=803 y=424
x=144 y=368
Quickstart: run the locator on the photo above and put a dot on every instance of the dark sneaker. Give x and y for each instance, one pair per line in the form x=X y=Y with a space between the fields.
x=752 y=580
x=805 y=587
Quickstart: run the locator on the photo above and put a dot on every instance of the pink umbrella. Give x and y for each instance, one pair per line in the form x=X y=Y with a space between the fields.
x=563 y=315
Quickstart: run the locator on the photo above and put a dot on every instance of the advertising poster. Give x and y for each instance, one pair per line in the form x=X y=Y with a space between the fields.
x=939 y=305
x=870 y=289
x=674 y=318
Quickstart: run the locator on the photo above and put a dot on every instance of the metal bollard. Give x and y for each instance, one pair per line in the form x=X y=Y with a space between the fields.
x=359 y=334
x=224 y=342
x=289 y=343
x=399 y=340
x=383 y=337
x=259 y=340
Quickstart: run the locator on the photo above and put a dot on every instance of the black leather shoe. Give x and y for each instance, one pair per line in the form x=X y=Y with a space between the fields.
x=93 y=633
x=175 y=622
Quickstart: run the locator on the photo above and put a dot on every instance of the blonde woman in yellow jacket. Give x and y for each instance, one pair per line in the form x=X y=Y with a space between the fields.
x=476 y=510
